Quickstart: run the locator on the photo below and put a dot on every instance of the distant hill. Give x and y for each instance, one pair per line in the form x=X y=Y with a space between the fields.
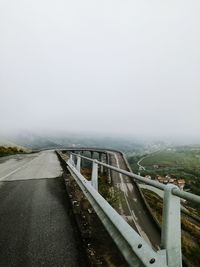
x=36 y=141
x=33 y=141
x=4 y=142
x=8 y=143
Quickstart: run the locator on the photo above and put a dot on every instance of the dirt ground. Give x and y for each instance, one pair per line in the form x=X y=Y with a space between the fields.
x=98 y=245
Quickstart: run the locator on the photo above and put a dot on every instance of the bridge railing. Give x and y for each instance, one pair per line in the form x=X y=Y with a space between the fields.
x=133 y=247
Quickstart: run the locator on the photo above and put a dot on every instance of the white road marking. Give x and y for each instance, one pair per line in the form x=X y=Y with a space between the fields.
x=16 y=170
x=39 y=166
x=133 y=216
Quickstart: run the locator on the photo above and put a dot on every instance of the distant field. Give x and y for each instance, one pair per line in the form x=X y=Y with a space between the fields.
x=182 y=162
x=173 y=158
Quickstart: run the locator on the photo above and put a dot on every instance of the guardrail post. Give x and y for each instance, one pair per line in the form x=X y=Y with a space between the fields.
x=171 y=227
x=78 y=164
x=92 y=154
x=108 y=170
x=71 y=158
x=101 y=159
x=95 y=175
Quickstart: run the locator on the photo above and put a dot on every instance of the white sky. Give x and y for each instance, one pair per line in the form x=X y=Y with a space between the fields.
x=123 y=67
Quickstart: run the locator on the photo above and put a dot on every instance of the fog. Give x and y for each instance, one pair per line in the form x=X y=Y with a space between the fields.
x=105 y=67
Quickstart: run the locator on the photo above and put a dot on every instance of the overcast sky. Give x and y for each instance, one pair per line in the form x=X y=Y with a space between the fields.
x=117 y=67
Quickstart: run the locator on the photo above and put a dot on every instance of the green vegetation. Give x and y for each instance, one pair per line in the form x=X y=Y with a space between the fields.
x=181 y=162
x=104 y=189
x=190 y=231
x=133 y=162
x=187 y=158
x=5 y=151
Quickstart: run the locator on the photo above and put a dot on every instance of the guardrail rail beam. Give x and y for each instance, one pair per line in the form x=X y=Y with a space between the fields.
x=95 y=175
x=171 y=227
x=134 y=249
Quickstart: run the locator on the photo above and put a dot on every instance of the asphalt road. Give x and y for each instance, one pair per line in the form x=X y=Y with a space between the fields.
x=35 y=226
x=31 y=166
x=132 y=206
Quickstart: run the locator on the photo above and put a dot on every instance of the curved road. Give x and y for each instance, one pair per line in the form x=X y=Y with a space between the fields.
x=141 y=168
x=35 y=226
x=132 y=206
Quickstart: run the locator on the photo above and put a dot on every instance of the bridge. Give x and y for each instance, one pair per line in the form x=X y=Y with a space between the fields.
x=37 y=230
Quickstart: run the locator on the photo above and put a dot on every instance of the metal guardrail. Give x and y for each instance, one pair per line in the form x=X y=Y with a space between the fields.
x=134 y=249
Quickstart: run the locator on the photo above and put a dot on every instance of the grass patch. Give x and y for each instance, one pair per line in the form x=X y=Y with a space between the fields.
x=190 y=231
x=181 y=162
x=103 y=187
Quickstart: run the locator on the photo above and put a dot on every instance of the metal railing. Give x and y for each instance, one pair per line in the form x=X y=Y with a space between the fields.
x=135 y=249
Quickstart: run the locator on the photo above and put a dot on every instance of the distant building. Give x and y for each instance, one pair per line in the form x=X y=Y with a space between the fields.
x=172 y=180
x=162 y=179
x=181 y=183
x=168 y=179
x=147 y=177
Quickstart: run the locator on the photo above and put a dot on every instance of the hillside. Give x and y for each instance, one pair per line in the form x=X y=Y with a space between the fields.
x=6 y=142
x=5 y=151
x=181 y=162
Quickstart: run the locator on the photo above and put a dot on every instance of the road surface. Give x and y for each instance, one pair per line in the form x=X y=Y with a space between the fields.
x=132 y=206
x=31 y=166
x=35 y=226
x=141 y=168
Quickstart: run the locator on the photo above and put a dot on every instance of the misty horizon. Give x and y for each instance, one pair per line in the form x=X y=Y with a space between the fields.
x=101 y=68
x=85 y=138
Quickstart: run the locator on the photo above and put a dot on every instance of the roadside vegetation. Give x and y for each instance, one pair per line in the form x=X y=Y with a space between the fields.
x=6 y=151
x=103 y=187
x=181 y=162
x=190 y=231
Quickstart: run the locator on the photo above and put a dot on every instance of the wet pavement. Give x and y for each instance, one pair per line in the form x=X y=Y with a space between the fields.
x=131 y=205
x=36 y=228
